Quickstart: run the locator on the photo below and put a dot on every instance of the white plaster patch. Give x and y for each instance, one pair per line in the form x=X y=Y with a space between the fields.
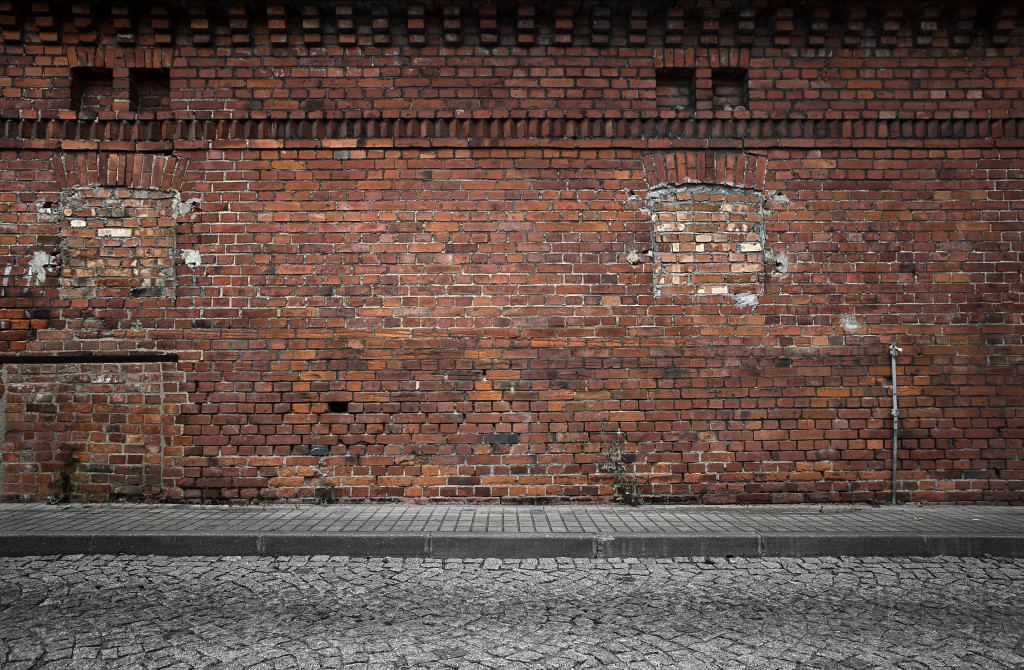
x=849 y=323
x=780 y=260
x=633 y=257
x=181 y=208
x=191 y=258
x=745 y=299
x=37 y=266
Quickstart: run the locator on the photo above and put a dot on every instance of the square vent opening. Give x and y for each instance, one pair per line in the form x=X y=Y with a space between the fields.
x=150 y=89
x=92 y=89
x=674 y=88
x=729 y=88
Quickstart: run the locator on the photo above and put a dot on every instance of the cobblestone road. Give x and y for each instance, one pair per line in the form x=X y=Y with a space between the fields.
x=158 y=612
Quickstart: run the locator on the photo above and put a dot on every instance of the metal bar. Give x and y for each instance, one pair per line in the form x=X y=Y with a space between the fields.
x=893 y=352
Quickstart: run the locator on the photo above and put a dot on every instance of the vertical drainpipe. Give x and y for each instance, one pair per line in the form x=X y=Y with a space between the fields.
x=893 y=352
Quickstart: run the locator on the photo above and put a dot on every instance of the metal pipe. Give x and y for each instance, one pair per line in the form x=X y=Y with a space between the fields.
x=893 y=352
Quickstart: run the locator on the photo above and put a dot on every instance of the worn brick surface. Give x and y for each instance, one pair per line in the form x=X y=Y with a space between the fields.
x=473 y=253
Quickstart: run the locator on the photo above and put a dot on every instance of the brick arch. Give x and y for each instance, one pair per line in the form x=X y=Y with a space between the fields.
x=144 y=171
x=722 y=168
x=112 y=57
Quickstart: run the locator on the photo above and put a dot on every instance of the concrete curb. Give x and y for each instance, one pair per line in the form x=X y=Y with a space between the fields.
x=515 y=545
x=665 y=545
x=891 y=545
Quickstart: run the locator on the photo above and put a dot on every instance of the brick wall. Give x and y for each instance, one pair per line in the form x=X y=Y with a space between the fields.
x=338 y=251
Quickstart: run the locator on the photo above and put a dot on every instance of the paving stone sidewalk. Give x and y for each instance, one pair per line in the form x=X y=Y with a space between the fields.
x=506 y=531
x=349 y=613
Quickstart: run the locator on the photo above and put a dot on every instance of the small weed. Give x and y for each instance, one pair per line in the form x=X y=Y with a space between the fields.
x=323 y=495
x=63 y=484
x=627 y=487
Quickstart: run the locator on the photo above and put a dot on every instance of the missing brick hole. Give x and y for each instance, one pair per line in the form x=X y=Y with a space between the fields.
x=337 y=406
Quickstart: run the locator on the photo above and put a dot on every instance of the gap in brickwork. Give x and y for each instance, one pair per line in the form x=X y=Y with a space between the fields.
x=92 y=89
x=708 y=240
x=149 y=89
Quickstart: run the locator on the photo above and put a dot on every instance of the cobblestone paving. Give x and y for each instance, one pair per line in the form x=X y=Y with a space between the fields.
x=320 y=612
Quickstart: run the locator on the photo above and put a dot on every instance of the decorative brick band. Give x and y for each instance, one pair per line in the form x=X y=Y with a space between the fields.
x=722 y=168
x=522 y=25
x=165 y=173
x=166 y=135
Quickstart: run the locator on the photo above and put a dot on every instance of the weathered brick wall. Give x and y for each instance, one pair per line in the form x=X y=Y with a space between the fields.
x=108 y=427
x=343 y=251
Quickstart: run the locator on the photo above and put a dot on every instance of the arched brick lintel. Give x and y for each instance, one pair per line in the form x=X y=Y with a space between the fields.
x=156 y=171
x=120 y=57
x=724 y=168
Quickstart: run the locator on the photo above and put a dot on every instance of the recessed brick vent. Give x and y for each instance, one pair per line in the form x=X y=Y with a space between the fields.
x=92 y=89
x=729 y=88
x=675 y=88
x=150 y=89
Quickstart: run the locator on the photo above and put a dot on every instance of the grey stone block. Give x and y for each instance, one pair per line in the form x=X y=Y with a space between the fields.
x=408 y=545
x=797 y=545
x=1007 y=546
x=513 y=545
x=44 y=544
x=662 y=545
x=192 y=544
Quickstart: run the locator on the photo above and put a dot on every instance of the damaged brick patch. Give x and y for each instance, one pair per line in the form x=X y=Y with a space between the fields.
x=118 y=242
x=707 y=240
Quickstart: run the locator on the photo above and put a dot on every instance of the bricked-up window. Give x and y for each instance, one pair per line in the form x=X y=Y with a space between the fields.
x=729 y=88
x=674 y=88
x=118 y=243
x=92 y=89
x=708 y=240
x=149 y=89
